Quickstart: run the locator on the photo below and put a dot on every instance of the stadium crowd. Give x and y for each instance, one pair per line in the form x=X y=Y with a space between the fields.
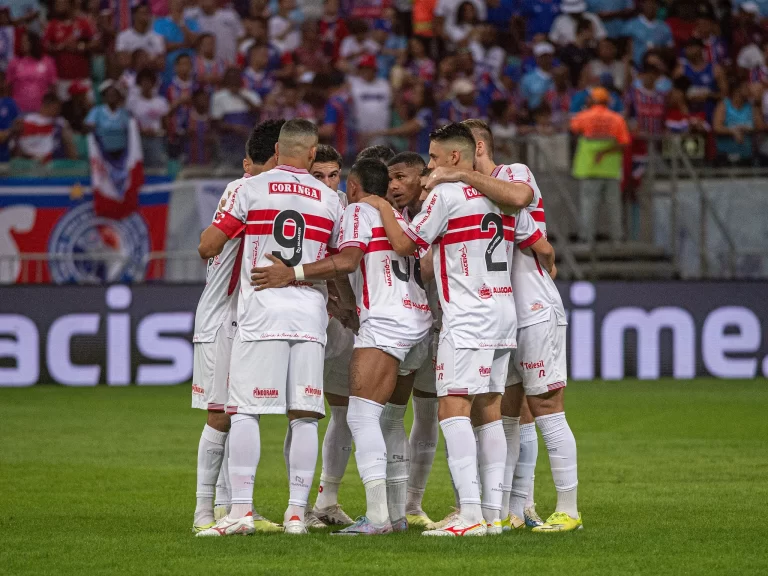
x=197 y=74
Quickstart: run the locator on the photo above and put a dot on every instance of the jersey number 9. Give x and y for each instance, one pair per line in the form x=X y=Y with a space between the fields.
x=284 y=222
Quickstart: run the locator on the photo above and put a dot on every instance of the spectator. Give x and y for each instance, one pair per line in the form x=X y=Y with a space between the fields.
x=538 y=16
x=488 y=56
x=388 y=34
x=110 y=121
x=283 y=32
x=338 y=126
x=140 y=60
x=460 y=30
x=70 y=38
x=287 y=104
x=307 y=58
x=647 y=32
x=8 y=114
x=371 y=98
x=140 y=36
x=31 y=74
x=580 y=99
x=202 y=144
x=449 y=13
x=417 y=122
x=735 y=123
x=356 y=45
x=708 y=29
x=333 y=29
x=225 y=26
x=45 y=135
x=679 y=119
x=179 y=34
x=564 y=28
x=7 y=38
x=179 y=92
x=77 y=106
x=603 y=137
x=707 y=81
x=500 y=14
x=234 y=110
x=420 y=66
x=762 y=6
x=613 y=14
x=538 y=82
x=26 y=14
x=747 y=29
x=256 y=33
x=462 y=106
x=541 y=120
x=559 y=99
x=423 y=20
x=577 y=54
x=503 y=118
x=607 y=63
x=256 y=77
x=208 y=69
x=150 y=111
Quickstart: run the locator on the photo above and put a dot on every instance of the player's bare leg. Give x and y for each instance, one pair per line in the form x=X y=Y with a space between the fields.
x=398 y=451
x=337 y=447
x=549 y=411
x=372 y=379
x=423 y=445
x=301 y=459
x=210 y=466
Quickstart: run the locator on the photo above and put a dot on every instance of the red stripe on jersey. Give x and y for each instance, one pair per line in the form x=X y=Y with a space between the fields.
x=378 y=232
x=262 y=214
x=540 y=204
x=509 y=234
x=532 y=240
x=235 y=275
x=33 y=129
x=259 y=229
x=318 y=221
x=538 y=215
x=228 y=224
x=538 y=266
x=465 y=221
x=508 y=220
x=352 y=244
x=444 y=272
x=416 y=238
x=366 y=299
x=317 y=235
x=378 y=246
x=496 y=170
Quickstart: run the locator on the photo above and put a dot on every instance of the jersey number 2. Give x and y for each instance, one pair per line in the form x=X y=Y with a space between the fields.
x=498 y=224
x=283 y=222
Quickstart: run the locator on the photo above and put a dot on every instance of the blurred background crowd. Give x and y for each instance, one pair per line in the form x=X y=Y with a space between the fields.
x=197 y=74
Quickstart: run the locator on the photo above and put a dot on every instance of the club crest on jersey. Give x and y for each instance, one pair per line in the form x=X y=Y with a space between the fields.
x=387 y=270
x=536 y=306
x=266 y=393
x=312 y=391
x=485 y=371
x=464 y=259
x=294 y=188
x=485 y=292
x=470 y=193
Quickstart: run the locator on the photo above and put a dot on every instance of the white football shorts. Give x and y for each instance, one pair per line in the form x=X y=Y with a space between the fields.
x=411 y=356
x=425 y=375
x=210 y=371
x=338 y=353
x=274 y=376
x=469 y=371
x=539 y=362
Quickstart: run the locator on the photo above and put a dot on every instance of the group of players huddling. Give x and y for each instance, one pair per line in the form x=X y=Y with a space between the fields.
x=440 y=281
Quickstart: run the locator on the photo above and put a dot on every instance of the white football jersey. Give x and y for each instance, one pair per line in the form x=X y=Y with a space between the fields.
x=387 y=287
x=535 y=292
x=472 y=256
x=429 y=287
x=218 y=302
x=293 y=216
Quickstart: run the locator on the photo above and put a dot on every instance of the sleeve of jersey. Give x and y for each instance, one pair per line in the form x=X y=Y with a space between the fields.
x=231 y=219
x=519 y=173
x=526 y=231
x=338 y=222
x=356 y=231
x=428 y=224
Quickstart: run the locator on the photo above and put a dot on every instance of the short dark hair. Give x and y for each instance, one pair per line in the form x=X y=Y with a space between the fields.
x=50 y=98
x=181 y=57
x=378 y=152
x=146 y=74
x=454 y=132
x=426 y=171
x=409 y=159
x=326 y=153
x=261 y=143
x=372 y=175
x=482 y=129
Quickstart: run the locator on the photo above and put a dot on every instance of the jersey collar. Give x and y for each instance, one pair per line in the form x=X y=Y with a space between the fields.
x=291 y=169
x=497 y=170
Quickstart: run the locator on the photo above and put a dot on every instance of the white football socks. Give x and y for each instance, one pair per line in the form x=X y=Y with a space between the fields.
x=396 y=442
x=422 y=445
x=522 y=482
x=512 y=434
x=363 y=418
x=302 y=459
x=210 y=455
x=223 y=487
x=530 y=501
x=492 y=456
x=462 y=461
x=337 y=446
x=561 y=446
x=244 y=454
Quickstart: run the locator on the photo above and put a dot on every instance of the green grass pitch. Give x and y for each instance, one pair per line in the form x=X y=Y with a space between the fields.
x=673 y=480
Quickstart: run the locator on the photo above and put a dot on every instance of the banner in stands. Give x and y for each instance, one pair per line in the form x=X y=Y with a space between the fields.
x=118 y=335
x=56 y=216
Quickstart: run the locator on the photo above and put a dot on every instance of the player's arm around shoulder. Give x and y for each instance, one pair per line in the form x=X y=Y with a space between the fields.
x=400 y=240
x=226 y=225
x=511 y=192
